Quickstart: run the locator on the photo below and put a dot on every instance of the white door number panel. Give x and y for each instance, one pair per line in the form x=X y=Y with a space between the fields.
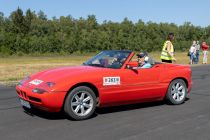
x=107 y=81
x=36 y=82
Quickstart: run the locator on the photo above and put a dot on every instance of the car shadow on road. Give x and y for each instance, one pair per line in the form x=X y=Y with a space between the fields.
x=45 y=115
x=122 y=108
x=99 y=111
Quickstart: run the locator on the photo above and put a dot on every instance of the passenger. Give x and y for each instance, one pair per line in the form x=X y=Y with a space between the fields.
x=103 y=62
x=118 y=60
x=143 y=59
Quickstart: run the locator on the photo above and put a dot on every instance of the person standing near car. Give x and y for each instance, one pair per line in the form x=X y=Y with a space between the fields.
x=167 y=54
x=197 y=52
x=205 y=52
x=193 y=53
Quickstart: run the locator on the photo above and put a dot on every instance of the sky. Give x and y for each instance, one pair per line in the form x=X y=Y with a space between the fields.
x=172 y=11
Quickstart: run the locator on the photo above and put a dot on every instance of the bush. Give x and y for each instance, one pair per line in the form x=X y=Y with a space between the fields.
x=35 y=34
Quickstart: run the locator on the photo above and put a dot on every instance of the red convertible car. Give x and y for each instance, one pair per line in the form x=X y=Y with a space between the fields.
x=108 y=79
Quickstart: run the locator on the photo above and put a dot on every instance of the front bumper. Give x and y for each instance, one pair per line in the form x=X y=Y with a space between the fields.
x=48 y=101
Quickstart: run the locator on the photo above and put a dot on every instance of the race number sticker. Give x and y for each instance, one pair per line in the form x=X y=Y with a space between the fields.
x=107 y=81
x=36 y=82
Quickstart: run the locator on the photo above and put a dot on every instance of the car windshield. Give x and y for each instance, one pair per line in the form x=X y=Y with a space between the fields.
x=109 y=59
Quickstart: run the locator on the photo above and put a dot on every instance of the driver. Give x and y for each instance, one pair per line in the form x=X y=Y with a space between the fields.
x=143 y=59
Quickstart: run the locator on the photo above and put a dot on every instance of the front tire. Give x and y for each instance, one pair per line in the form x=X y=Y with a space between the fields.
x=80 y=103
x=177 y=92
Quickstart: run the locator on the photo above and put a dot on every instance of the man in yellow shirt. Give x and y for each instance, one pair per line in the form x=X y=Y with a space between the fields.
x=167 y=54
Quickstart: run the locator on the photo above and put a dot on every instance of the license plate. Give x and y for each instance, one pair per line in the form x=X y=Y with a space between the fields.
x=25 y=103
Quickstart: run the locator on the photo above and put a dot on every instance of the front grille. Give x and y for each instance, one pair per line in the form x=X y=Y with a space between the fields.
x=22 y=94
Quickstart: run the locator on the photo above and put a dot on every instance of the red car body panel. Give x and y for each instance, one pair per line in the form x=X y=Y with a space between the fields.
x=140 y=85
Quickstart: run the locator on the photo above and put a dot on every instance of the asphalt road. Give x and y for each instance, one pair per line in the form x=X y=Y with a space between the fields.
x=190 y=120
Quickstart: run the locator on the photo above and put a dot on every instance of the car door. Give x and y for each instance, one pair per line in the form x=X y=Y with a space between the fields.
x=135 y=85
x=142 y=84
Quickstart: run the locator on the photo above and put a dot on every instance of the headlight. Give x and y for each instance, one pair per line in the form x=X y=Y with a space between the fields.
x=24 y=80
x=38 y=90
x=43 y=87
x=50 y=84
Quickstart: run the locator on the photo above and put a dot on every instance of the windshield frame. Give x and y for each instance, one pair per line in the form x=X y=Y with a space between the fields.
x=111 y=51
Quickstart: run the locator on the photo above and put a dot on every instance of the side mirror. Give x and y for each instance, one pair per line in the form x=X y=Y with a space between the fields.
x=132 y=64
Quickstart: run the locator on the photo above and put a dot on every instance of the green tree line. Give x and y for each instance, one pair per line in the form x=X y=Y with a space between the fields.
x=34 y=33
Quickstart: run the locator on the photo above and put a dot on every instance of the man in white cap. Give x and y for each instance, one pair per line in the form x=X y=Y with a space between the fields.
x=143 y=60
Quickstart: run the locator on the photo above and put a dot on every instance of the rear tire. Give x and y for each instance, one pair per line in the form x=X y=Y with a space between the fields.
x=80 y=103
x=177 y=92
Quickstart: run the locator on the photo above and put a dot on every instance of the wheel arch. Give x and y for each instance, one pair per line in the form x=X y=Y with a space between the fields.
x=168 y=97
x=87 y=84
x=182 y=78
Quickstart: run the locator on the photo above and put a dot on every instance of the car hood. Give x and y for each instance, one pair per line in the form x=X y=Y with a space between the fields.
x=56 y=74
